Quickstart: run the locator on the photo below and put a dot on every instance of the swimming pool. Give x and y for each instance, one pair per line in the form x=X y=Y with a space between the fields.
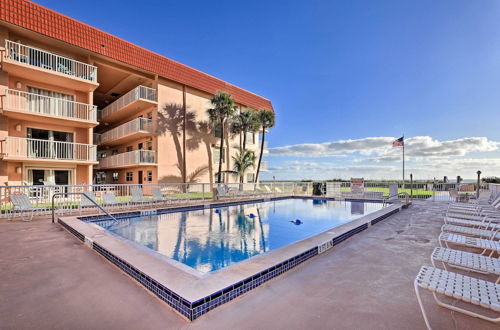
x=209 y=239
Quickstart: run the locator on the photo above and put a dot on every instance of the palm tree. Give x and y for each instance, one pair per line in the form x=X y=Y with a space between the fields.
x=223 y=109
x=266 y=118
x=243 y=160
x=245 y=122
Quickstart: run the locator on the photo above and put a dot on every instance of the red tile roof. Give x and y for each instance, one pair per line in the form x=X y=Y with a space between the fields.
x=37 y=18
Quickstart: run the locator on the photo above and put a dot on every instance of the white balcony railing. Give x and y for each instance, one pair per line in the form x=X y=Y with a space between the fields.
x=140 y=92
x=45 y=105
x=18 y=147
x=128 y=158
x=134 y=126
x=43 y=59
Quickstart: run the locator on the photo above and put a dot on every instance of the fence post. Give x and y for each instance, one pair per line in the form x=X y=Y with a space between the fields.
x=411 y=185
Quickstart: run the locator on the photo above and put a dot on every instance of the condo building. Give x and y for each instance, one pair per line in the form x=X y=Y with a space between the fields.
x=81 y=106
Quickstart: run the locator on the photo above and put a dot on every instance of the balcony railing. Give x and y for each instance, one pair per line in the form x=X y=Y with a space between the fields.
x=134 y=126
x=140 y=92
x=42 y=59
x=18 y=147
x=128 y=158
x=45 y=105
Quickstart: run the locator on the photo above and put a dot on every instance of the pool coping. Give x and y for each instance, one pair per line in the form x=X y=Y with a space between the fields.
x=193 y=296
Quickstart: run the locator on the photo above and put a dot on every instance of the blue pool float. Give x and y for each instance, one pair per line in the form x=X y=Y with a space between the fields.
x=296 y=222
x=251 y=215
x=217 y=211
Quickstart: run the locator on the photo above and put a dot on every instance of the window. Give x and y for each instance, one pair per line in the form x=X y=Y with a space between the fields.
x=150 y=145
x=102 y=155
x=250 y=177
x=130 y=176
x=114 y=152
x=217 y=131
x=115 y=176
x=150 y=115
x=129 y=148
x=215 y=155
x=150 y=176
x=139 y=146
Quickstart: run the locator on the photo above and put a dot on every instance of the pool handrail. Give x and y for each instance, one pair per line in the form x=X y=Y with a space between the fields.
x=86 y=196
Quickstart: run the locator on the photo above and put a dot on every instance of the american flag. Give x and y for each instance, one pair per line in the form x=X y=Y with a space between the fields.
x=399 y=142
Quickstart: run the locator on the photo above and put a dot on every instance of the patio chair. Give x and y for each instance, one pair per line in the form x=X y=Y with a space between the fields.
x=333 y=189
x=21 y=204
x=486 y=223
x=469 y=231
x=486 y=245
x=138 y=196
x=459 y=287
x=467 y=261
x=222 y=191
x=110 y=201
x=158 y=196
x=88 y=200
x=478 y=217
x=492 y=204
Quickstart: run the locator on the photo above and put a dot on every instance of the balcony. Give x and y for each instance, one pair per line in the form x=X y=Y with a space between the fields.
x=128 y=159
x=43 y=66
x=29 y=106
x=138 y=99
x=130 y=131
x=22 y=149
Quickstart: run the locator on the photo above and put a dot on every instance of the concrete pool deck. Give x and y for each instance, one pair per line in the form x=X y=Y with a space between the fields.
x=50 y=280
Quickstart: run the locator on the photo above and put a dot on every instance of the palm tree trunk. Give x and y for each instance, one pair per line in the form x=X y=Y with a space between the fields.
x=221 y=148
x=227 y=156
x=261 y=152
x=244 y=140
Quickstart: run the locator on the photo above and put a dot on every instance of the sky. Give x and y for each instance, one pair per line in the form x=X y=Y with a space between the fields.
x=345 y=77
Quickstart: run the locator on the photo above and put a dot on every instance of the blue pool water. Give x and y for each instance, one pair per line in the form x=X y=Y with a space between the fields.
x=211 y=239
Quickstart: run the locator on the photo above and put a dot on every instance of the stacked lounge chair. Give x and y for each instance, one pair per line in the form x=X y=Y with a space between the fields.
x=468 y=243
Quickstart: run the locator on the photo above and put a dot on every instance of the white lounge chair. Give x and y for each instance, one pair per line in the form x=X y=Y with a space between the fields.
x=21 y=204
x=333 y=189
x=487 y=223
x=223 y=191
x=138 y=196
x=486 y=245
x=464 y=207
x=473 y=217
x=158 y=196
x=111 y=202
x=469 y=231
x=87 y=201
x=461 y=288
x=467 y=261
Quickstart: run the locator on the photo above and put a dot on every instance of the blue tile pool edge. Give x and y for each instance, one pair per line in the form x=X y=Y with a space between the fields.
x=195 y=309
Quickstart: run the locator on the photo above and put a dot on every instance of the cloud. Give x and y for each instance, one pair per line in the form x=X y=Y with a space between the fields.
x=381 y=148
x=375 y=158
x=366 y=145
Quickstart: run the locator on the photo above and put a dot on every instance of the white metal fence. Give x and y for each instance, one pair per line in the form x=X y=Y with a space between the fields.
x=41 y=195
x=43 y=59
x=46 y=105
x=133 y=126
x=140 y=92
x=19 y=147
x=128 y=158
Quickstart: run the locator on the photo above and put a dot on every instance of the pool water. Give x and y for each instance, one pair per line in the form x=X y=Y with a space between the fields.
x=211 y=239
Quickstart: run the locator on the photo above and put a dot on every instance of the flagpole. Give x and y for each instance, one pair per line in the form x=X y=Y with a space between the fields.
x=403 y=161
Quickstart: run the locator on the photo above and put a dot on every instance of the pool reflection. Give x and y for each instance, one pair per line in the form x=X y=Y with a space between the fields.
x=211 y=239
